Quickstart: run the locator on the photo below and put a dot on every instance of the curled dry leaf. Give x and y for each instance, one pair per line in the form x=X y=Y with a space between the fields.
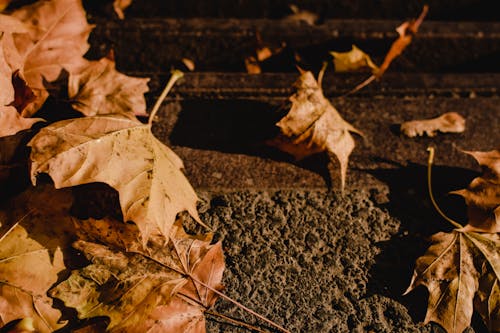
x=313 y=125
x=483 y=194
x=353 y=60
x=56 y=40
x=461 y=270
x=101 y=89
x=124 y=154
x=34 y=234
x=406 y=32
x=168 y=298
x=119 y=6
x=449 y=122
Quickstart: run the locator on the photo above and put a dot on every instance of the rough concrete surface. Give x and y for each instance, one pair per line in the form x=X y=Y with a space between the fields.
x=320 y=261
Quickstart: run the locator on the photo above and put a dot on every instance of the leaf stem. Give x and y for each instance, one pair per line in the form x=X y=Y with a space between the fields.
x=235 y=321
x=176 y=75
x=321 y=74
x=430 y=161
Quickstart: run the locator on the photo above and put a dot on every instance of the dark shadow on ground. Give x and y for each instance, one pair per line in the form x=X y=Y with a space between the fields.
x=409 y=202
x=237 y=127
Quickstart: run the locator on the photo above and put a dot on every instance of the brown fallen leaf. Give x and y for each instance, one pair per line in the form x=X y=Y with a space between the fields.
x=34 y=232
x=461 y=270
x=56 y=40
x=353 y=60
x=124 y=154
x=119 y=6
x=449 y=122
x=115 y=284
x=11 y=121
x=101 y=89
x=483 y=194
x=406 y=32
x=314 y=125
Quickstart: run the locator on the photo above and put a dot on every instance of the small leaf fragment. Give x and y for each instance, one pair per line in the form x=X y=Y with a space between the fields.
x=353 y=60
x=313 y=125
x=101 y=89
x=449 y=122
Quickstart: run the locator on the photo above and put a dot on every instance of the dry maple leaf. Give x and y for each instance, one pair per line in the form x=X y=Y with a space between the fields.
x=313 y=125
x=101 y=89
x=119 y=6
x=449 y=122
x=461 y=270
x=124 y=154
x=483 y=194
x=31 y=255
x=144 y=289
x=352 y=60
x=56 y=40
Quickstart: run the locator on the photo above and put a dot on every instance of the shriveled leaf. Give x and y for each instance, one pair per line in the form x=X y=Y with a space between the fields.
x=101 y=89
x=57 y=40
x=124 y=154
x=483 y=194
x=352 y=60
x=406 y=32
x=31 y=255
x=313 y=125
x=452 y=269
x=449 y=122
x=119 y=6
x=11 y=121
x=137 y=287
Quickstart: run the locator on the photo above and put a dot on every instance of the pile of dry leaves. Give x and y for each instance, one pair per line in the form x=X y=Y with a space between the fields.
x=146 y=276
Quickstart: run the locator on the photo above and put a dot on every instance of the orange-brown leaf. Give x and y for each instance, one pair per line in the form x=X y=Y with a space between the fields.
x=101 y=89
x=143 y=289
x=406 y=32
x=56 y=40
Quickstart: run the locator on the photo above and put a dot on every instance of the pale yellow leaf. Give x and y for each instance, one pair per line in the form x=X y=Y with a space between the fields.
x=353 y=60
x=124 y=154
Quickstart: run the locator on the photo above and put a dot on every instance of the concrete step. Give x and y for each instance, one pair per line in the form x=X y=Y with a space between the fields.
x=221 y=45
